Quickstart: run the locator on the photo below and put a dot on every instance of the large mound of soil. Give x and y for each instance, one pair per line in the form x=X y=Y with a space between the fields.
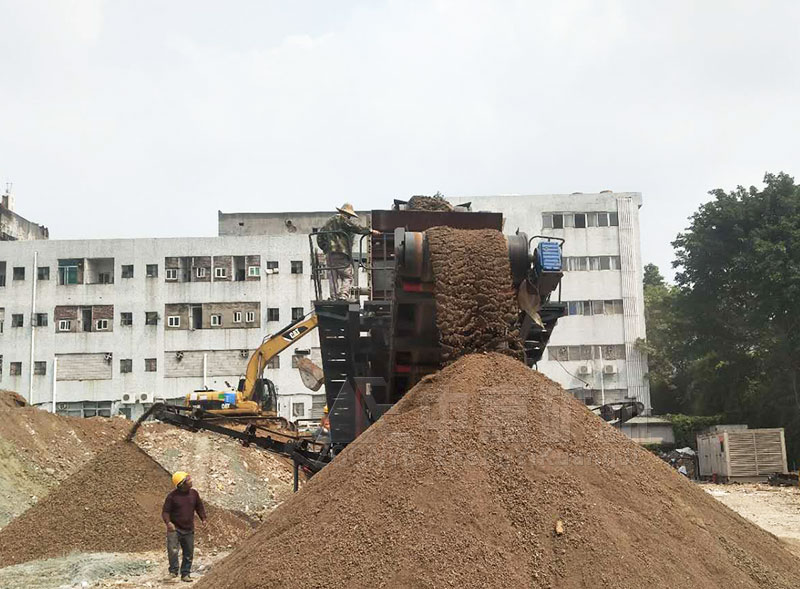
x=476 y=307
x=429 y=203
x=488 y=474
x=113 y=504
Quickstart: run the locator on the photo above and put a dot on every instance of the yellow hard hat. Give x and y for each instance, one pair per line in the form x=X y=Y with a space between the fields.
x=325 y=410
x=179 y=477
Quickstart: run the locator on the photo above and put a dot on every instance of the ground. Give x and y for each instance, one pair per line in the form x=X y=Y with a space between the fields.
x=776 y=509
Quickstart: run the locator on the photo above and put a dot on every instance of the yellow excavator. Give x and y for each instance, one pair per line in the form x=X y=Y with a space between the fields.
x=255 y=396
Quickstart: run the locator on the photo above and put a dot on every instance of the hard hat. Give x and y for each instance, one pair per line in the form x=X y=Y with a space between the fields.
x=347 y=209
x=325 y=410
x=179 y=477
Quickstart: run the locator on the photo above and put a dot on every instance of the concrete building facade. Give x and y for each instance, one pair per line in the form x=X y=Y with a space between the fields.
x=13 y=227
x=137 y=319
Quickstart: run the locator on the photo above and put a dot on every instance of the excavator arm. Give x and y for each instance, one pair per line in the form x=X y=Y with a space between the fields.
x=271 y=347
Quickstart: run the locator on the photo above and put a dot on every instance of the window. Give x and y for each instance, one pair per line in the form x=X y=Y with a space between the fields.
x=254 y=271
x=216 y=320
x=174 y=321
x=274 y=362
x=150 y=364
x=125 y=365
x=250 y=316
x=15 y=368
x=297 y=267
x=297 y=313
x=152 y=271
x=613 y=219
x=151 y=318
x=272 y=267
x=273 y=314
x=43 y=273
x=105 y=278
x=591 y=219
x=200 y=272
x=547 y=221
x=237 y=316
x=127 y=270
x=41 y=320
x=580 y=220
x=558 y=221
x=602 y=219
x=126 y=318
x=40 y=368
x=101 y=325
x=220 y=272
x=569 y=220
x=298 y=409
x=64 y=325
x=19 y=273
x=68 y=271
x=605 y=262
x=17 y=320
x=171 y=273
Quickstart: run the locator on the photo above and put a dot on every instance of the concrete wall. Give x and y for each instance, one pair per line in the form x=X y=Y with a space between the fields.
x=14 y=227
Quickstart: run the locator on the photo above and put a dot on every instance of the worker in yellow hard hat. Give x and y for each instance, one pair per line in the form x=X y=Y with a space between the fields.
x=335 y=239
x=178 y=515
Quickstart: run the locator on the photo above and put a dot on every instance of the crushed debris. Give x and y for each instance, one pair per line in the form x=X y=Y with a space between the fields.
x=429 y=203
x=461 y=485
x=11 y=400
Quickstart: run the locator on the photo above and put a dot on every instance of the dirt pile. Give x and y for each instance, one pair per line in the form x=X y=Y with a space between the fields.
x=476 y=308
x=429 y=203
x=11 y=400
x=488 y=474
x=39 y=449
x=113 y=504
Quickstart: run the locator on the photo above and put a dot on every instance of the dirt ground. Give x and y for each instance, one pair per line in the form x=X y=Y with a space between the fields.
x=776 y=509
x=102 y=570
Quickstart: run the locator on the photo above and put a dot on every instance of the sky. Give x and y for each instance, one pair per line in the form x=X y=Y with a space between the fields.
x=143 y=118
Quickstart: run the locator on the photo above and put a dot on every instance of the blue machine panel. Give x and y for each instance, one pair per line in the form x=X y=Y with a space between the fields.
x=549 y=256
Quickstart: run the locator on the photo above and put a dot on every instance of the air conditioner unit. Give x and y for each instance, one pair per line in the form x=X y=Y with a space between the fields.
x=179 y=356
x=129 y=398
x=109 y=356
x=62 y=406
x=609 y=369
x=244 y=353
x=584 y=370
x=145 y=397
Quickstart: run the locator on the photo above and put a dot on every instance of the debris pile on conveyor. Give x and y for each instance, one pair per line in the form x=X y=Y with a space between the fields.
x=429 y=203
x=113 y=504
x=476 y=307
x=488 y=474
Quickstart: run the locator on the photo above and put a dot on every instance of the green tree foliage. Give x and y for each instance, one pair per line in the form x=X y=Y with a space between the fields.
x=726 y=339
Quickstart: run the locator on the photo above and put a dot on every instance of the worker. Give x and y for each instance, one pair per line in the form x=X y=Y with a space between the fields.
x=178 y=515
x=336 y=241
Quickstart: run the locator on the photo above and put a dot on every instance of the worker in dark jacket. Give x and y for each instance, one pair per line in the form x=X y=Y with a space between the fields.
x=178 y=515
x=336 y=241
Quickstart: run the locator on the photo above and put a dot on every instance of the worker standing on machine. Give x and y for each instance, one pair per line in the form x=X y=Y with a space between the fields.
x=178 y=514
x=336 y=241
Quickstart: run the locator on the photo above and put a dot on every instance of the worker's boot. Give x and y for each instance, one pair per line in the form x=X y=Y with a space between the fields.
x=187 y=579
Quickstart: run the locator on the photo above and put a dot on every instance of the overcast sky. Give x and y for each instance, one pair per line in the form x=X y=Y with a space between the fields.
x=139 y=119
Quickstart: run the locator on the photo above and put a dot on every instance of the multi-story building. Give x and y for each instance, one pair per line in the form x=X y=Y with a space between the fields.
x=137 y=319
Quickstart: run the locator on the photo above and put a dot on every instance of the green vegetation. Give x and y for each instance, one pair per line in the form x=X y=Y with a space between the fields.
x=725 y=339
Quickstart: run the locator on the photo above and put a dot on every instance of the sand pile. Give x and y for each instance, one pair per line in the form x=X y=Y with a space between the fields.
x=113 y=504
x=39 y=449
x=476 y=307
x=488 y=474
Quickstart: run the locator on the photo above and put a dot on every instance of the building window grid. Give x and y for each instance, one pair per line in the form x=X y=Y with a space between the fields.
x=297 y=267
x=237 y=316
x=15 y=368
x=250 y=317
x=40 y=368
x=580 y=220
x=126 y=319
x=591 y=263
x=43 y=273
x=125 y=365
x=174 y=321
x=171 y=274
x=127 y=271
x=17 y=320
x=151 y=318
x=150 y=364
x=152 y=271
x=101 y=325
x=41 y=320
x=605 y=307
x=64 y=324
x=216 y=320
x=587 y=352
x=254 y=271
x=273 y=314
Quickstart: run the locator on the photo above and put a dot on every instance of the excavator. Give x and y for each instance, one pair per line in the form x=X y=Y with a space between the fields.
x=377 y=348
x=256 y=396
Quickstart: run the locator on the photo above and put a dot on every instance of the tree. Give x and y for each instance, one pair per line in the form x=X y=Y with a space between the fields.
x=738 y=282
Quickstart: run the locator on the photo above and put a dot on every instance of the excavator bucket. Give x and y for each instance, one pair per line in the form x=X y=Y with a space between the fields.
x=312 y=375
